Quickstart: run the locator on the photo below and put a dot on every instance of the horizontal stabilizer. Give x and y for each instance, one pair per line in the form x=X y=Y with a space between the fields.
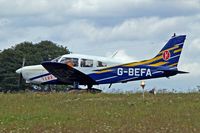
x=167 y=71
x=182 y=72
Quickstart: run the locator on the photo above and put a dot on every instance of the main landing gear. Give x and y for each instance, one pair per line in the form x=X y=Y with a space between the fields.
x=76 y=85
x=89 y=89
x=93 y=90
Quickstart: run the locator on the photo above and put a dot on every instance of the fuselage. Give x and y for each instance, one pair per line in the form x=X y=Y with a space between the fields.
x=37 y=74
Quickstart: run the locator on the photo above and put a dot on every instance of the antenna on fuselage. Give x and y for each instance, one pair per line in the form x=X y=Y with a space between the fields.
x=115 y=53
x=174 y=35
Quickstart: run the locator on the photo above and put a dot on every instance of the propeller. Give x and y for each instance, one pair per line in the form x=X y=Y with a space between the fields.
x=20 y=73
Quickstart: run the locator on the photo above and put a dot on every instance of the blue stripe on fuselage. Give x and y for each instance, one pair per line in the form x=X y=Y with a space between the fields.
x=39 y=76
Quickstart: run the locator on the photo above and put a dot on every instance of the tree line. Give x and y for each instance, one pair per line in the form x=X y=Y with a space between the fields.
x=34 y=53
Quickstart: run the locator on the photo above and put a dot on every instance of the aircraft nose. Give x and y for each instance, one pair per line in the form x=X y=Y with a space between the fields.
x=19 y=71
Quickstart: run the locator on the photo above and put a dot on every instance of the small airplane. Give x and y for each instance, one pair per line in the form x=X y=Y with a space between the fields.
x=75 y=69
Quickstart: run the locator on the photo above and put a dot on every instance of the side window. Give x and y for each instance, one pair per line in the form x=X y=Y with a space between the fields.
x=73 y=62
x=86 y=63
x=101 y=64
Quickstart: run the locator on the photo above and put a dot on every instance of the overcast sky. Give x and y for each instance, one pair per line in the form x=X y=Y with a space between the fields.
x=137 y=28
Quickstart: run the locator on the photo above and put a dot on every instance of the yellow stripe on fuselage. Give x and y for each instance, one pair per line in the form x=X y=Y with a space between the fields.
x=143 y=62
x=103 y=71
x=159 y=64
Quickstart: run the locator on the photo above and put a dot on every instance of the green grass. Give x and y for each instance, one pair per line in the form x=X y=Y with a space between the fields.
x=61 y=112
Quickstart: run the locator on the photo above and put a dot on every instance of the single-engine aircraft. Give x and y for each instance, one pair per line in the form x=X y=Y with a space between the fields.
x=75 y=69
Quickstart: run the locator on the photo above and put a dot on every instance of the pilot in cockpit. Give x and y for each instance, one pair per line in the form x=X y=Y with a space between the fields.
x=69 y=62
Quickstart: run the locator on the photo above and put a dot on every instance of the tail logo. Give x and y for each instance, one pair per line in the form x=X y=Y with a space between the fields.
x=166 y=55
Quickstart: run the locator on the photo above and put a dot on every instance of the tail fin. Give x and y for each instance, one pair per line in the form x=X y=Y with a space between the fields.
x=170 y=53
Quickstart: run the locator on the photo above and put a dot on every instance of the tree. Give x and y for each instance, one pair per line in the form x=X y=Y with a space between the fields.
x=11 y=59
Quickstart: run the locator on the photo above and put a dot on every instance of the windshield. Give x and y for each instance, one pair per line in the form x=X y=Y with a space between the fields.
x=56 y=59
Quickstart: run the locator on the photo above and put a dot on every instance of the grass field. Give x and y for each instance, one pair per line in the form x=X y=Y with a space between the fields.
x=61 y=112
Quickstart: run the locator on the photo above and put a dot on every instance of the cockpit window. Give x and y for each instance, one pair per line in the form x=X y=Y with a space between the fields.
x=56 y=59
x=101 y=64
x=73 y=62
x=86 y=63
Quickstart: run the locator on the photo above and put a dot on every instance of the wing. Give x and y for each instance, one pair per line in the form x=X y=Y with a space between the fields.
x=68 y=74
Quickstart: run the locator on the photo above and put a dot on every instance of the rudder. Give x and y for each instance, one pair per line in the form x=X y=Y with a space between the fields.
x=170 y=53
